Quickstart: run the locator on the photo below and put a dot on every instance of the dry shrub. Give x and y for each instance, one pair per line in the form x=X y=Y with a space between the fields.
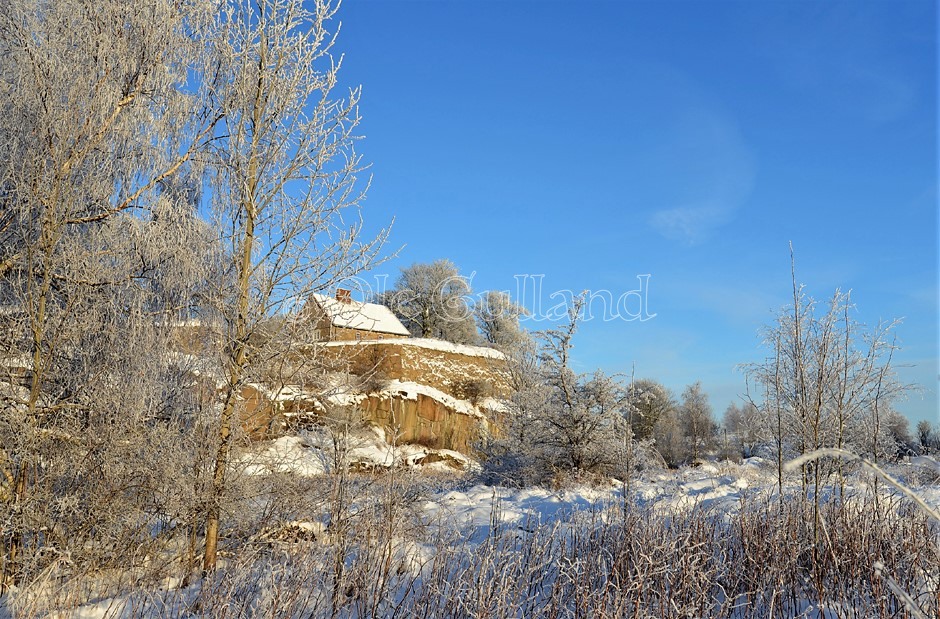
x=472 y=390
x=625 y=561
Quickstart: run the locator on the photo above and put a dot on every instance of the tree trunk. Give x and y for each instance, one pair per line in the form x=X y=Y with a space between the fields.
x=239 y=360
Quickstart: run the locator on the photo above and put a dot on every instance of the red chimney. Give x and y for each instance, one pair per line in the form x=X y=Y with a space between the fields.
x=343 y=295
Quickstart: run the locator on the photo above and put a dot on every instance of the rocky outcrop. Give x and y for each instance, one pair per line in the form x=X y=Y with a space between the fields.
x=423 y=392
x=418 y=414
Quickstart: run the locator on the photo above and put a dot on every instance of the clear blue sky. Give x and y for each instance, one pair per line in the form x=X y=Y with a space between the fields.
x=596 y=141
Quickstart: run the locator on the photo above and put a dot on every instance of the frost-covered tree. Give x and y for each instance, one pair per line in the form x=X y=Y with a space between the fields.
x=558 y=421
x=498 y=320
x=898 y=430
x=650 y=401
x=747 y=427
x=97 y=113
x=285 y=188
x=432 y=301
x=116 y=118
x=829 y=382
x=669 y=439
x=696 y=421
x=586 y=426
x=928 y=437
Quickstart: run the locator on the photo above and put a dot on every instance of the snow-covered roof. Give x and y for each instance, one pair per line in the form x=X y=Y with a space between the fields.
x=362 y=316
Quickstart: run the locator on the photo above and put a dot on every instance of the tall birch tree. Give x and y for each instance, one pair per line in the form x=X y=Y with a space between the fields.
x=285 y=197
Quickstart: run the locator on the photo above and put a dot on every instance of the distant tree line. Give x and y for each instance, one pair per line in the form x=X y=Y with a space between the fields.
x=828 y=383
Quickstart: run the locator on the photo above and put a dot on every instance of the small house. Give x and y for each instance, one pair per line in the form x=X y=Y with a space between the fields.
x=340 y=319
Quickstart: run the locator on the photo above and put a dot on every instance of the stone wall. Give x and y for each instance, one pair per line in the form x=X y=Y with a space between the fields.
x=421 y=420
x=463 y=372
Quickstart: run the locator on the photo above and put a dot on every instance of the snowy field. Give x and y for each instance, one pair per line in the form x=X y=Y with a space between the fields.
x=425 y=540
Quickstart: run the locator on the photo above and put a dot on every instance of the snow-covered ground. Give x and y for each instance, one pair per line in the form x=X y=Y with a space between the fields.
x=474 y=513
x=314 y=453
x=717 y=486
x=470 y=512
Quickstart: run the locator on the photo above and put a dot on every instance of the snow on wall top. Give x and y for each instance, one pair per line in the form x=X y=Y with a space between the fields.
x=410 y=391
x=431 y=344
x=363 y=316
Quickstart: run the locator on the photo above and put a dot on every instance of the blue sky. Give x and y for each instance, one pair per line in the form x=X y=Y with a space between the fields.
x=592 y=142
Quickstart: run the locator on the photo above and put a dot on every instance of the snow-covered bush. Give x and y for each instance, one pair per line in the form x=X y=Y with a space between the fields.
x=561 y=424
